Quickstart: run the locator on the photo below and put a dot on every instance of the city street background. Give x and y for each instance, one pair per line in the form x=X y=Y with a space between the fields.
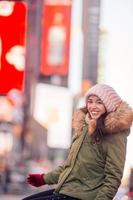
x=51 y=53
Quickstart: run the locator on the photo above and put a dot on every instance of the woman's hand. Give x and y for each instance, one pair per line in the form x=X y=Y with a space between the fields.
x=36 y=180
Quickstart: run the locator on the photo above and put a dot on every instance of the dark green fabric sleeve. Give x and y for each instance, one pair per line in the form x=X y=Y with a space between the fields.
x=115 y=160
x=52 y=177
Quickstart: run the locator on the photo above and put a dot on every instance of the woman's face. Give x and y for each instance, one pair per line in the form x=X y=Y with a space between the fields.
x=95 y=107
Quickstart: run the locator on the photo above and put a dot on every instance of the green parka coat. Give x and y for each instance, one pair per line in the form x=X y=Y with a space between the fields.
x=93 y=171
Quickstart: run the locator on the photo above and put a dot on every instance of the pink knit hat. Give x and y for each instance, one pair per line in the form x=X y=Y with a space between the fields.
x=107 y=94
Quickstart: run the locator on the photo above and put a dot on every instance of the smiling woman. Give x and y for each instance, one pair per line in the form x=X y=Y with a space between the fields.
x=94 y=167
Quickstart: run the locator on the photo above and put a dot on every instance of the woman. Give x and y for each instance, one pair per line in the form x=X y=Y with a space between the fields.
x=94 y=167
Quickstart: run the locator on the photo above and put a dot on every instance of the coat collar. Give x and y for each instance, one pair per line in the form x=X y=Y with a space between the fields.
x=116 y=121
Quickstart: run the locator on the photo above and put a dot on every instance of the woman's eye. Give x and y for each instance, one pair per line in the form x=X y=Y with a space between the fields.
x=99 y=102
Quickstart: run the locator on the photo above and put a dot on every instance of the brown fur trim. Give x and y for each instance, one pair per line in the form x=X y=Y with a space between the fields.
x=78 y=121
x=116 y=121
x=119 y=120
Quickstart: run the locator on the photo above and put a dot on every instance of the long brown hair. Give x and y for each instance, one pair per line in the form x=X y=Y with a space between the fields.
x=100 y=129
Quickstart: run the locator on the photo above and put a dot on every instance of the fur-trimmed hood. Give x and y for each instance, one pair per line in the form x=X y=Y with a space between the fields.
x=116 y=121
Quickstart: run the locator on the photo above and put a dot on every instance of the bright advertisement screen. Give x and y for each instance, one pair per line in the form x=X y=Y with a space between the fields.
x=53 y=110
x=12 y=45
x=55 y=38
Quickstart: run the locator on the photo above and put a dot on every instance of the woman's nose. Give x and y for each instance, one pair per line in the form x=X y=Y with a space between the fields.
x=94 y=105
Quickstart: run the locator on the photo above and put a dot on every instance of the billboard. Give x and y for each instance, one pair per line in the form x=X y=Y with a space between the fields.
x=53 y=110
x=12 y=45
x=55 y=38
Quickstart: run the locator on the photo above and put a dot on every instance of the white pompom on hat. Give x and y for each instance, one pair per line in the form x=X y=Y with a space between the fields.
x=107 y=94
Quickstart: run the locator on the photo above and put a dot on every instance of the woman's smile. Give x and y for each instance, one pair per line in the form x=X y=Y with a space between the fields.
x=95 y=107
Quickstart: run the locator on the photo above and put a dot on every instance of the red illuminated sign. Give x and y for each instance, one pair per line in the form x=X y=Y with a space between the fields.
x=12 y=45
x=55 y=39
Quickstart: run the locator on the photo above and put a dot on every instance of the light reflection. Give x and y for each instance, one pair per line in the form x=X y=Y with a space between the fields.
x=6 y=8
x=6 y=142
x=16 y=56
